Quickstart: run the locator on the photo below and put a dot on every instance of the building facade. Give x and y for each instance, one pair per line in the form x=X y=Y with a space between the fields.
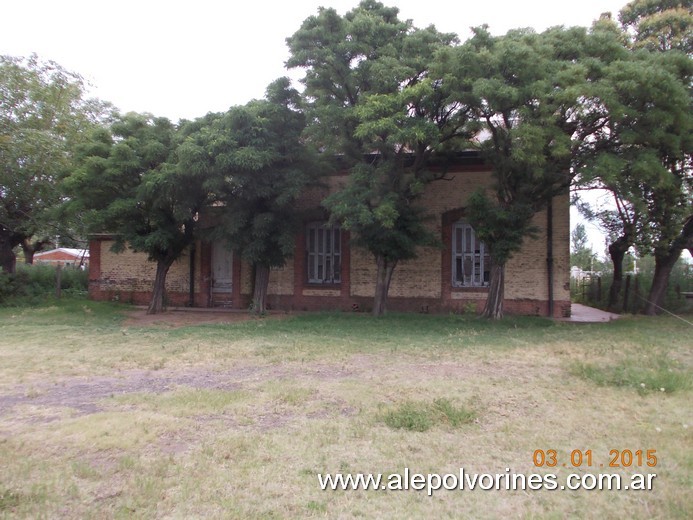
x=328 y=272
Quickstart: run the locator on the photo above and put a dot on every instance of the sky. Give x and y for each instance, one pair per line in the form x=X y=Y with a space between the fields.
x=182 y=60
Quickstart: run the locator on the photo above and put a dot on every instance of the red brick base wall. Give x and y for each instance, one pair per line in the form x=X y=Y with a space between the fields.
x=175 y=299
x=422 y=305
x=349 y=304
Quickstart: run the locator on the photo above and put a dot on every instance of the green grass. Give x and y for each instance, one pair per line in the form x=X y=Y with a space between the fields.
x=658 y=374
x=102 y=419
x=9 y=500
x=420 y=416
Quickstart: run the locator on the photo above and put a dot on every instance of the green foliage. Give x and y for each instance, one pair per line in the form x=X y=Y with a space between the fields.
x=384 y=223
x=532 y=94
x=594 y=290
x=502 y=228
x=581 y=255
x=643 y=156
x=660 y=25
x=33 y=284
x=257 y=166
x=9 y=500
x=655 y=373
x=43 y=116
x=420 y=416
x=379 y=97
x=128 y=183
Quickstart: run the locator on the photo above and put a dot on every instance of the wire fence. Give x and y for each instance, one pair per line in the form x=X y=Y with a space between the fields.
x=593 y=289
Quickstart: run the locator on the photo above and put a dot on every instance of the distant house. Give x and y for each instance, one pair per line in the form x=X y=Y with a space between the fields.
x=63 y=256
x=328 y=271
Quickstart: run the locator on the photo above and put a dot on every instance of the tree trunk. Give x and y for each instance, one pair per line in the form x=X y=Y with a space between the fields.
x=494 y=303
x=8 y=259
x=660 y=281
x=664 y=263
x=262 y=273
x=31 y=248
x=617 y=252
x=382 y=284
x=156 y=305
x=29 y=251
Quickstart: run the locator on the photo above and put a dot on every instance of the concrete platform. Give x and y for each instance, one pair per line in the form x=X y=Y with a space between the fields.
x=584 y=314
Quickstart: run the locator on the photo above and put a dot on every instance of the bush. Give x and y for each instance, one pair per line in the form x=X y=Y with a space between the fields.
x=31 y=284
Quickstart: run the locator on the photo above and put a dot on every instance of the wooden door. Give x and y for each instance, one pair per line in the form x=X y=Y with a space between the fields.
x=222 y=275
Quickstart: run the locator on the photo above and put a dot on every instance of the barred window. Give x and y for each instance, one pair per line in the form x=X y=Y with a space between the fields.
x=324 y=254
x=471 y=264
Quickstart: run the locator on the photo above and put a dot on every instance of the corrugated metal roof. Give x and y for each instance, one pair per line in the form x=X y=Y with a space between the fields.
x=70 y=251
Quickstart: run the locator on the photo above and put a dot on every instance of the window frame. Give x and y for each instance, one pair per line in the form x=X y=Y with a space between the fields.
x=478 y=258
x=324 y=262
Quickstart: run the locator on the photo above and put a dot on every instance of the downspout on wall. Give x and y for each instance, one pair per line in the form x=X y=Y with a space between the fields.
x=191 y=298
x=549 y=253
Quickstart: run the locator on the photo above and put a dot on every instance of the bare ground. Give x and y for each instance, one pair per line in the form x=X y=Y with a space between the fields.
x=87 y=395
x=183 y=318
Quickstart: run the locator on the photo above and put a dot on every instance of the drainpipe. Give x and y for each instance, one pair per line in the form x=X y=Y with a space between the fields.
x=191 y=302
x=549 y=252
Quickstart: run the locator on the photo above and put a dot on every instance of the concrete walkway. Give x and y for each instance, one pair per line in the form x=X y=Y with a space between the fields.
x=584 y=314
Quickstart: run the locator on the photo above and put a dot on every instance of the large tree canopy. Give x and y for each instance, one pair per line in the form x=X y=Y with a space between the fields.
x=378 y=97
x=645 y=159
x=660 y=25
x=643 y=154
x=532 y=96
x=257 y=167
x=43 y=115
x=129 y=184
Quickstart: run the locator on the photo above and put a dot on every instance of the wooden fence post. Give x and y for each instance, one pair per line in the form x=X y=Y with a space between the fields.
x=58 y=281
x=626 y=293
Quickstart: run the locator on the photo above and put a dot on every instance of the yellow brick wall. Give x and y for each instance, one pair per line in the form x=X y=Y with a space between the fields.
x=281 y=281
x=417 y=278
x=526 y=272
x=132 y=272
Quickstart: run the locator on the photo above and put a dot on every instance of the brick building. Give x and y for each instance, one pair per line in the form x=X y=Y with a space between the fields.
x=327 y=272
x=63 y=256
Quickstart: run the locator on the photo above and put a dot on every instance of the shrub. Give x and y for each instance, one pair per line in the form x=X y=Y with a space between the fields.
x=31 y=284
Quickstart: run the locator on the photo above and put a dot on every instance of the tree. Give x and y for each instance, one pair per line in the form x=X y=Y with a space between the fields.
x=129 y=183
x=623 y=226
x=581 y=255
x=643 y=157
x=43 y=115
x=660 y=25
x=378 y=97
x=531 y=94
x=258 y=167
x=665 y=26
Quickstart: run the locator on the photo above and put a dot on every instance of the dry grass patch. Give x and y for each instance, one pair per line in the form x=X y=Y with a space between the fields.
x=237 y=420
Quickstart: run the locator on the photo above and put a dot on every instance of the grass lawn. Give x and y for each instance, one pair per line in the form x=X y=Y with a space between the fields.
x=101 y=419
